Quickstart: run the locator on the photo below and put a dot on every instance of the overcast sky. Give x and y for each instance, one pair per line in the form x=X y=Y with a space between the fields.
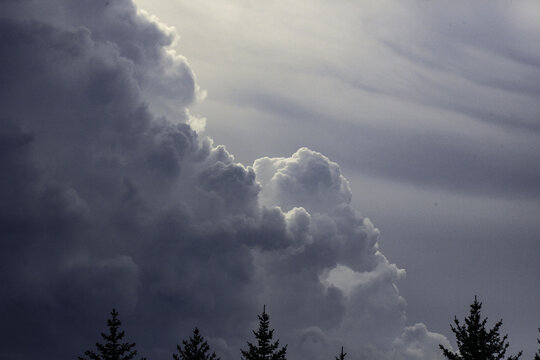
x=363 y=168
x=430 y=108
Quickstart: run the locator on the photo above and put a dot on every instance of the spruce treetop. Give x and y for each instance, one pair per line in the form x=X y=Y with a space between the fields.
x=341 y=355
x=475 y=342
x=113 y=348
x=265 y=349
x=196 y=348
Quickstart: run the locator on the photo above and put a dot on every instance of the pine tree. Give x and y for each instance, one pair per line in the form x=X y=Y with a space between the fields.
x=114 y=348
x=195 y=349
x=341 y=355
x=265 y=349
x=537 y=355
x=475 y=342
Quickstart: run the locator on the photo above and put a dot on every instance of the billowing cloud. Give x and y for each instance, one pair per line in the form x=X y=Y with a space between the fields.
x=307 y=179
x=108 y=201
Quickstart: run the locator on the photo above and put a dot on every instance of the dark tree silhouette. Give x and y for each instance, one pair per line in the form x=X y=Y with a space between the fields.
x=265 y=349
x=195 y=349
x=475 y=342
x=341 y=355
x=537 y=355
x=114 y=348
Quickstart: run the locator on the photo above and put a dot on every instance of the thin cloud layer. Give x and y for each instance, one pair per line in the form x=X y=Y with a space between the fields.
x=108 y=203
x=495 y=41
x=437 y=95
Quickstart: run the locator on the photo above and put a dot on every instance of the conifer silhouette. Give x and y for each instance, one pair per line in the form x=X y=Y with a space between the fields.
x=475 y=342
x=341 y=355
x=114 y=348
x=195 y=349
x=265 y=349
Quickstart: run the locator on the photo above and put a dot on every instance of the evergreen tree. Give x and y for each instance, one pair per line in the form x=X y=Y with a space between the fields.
x=114 y=348
x=195 y=349
x=341 y=355
x=537 y=355
x=475 y=342
x=265 y=349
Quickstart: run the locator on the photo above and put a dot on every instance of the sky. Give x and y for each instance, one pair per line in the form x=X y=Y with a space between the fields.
x=364 y=169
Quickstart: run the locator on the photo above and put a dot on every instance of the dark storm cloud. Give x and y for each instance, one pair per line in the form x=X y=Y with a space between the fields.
x=86 y=171
x=136 y=39
x=106 y=204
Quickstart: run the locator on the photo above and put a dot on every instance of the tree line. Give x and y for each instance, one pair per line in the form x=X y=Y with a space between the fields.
x=474 y=342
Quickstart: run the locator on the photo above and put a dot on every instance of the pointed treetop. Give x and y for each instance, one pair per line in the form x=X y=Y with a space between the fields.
x=265 y=349
x=341 y=355
x=113 y=348
x=196 y=348
x=474 y=341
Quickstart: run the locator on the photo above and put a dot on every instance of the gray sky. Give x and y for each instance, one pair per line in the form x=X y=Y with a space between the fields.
x=419 y=119
x=430 y=108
